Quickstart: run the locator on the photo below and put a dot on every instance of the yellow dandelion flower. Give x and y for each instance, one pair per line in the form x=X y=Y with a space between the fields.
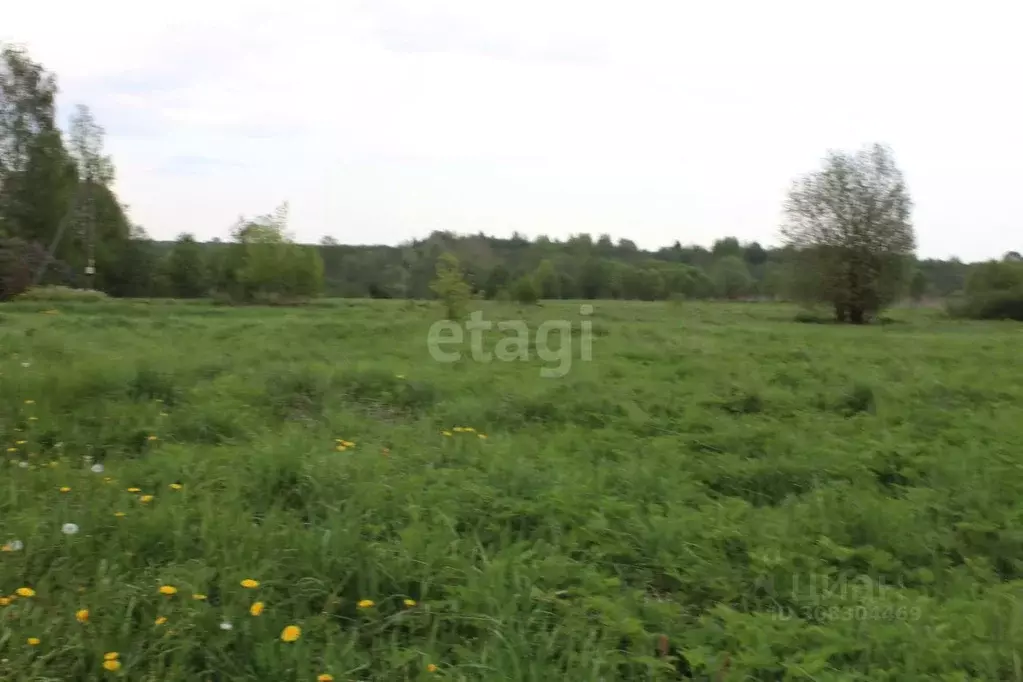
x=12 y=449
x=250 y=583
x=145 y=499
x=291 y=633
x=30 y=402
x=33 y=641
x=366 y=604
x=431 y=668
x=111 y=656
x=120 y=515
x=446 y=433
x=26 y=592
x=152 y=438
x=325 y=677
x=160 y=621
x=482 y=435
x=108 y=479
x=168 y=589
x=134 y=490
x=257 y=608
x=65 y=489
x=199 y=597
x=113 y=665
x=340 y=448
x=410 y=603
x=458 y=429
x=82 y=615
x=4 y=601
x=176 y=486
x=20 y=442
x=348 y=444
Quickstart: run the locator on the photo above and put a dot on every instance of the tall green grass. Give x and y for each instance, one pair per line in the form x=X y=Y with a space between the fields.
x=806 y=501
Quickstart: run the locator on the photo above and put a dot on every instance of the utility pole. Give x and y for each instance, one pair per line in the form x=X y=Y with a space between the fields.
x=90 y=229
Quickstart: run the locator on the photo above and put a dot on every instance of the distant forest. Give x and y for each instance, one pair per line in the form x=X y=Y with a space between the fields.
x=580 y=267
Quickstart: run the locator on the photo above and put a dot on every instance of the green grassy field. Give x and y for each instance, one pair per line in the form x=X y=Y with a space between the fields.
x=806 y=501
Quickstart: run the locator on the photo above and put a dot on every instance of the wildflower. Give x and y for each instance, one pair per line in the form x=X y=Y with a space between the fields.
x=152 y=438
x=458 y=429
x=431 y=668
x=446 y=433
x=82 y=615
x=111 y=656
x=65 y=489
x=366 y=604
x=410 y=603
x=291 y=633
x=20 y=442
x=176 y=486
x=250 y=583
x=340 y=448
x=69 y=528
x=30 y=402
x=12 y=449
x=4 y=601
x=112 y=664
x=107 y=479
x=145 y=499
x=256 y=609
x=26 y=592
x=168 y=589
x=160 y=621
x=97 y=468
x=199 y=597
x=482 y=435
x=33 y=641
x=120 y=515
x=469 y=429
x=23 y=464
x=14 y=546
x=226 y=626
x=134 y=490
x=325 y=677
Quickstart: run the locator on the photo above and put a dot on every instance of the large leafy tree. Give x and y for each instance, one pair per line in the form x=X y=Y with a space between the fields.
x=37 y=177
x=850 y=226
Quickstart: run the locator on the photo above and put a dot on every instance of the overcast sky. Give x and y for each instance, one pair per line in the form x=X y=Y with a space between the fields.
x=383 y=120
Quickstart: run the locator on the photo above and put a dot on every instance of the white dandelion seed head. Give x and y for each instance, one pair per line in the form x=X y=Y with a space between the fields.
x=226 y=626
x=15 y=546
x=97 y=468
x=23 y=464
x=26 y=365
x=69 y=528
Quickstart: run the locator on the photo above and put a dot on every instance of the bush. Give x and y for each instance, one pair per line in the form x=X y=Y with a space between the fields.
x=19 y=262
x=59 y=293
x=526 y=290
x=996 y=305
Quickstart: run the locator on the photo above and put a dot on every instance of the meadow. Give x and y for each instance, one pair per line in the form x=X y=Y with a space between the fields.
x=195 y=492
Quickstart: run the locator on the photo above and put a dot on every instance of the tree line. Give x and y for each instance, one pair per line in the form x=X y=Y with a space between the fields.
x=847 y=242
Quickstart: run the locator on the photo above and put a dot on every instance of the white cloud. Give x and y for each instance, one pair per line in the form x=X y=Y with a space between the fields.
x=383 y=119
